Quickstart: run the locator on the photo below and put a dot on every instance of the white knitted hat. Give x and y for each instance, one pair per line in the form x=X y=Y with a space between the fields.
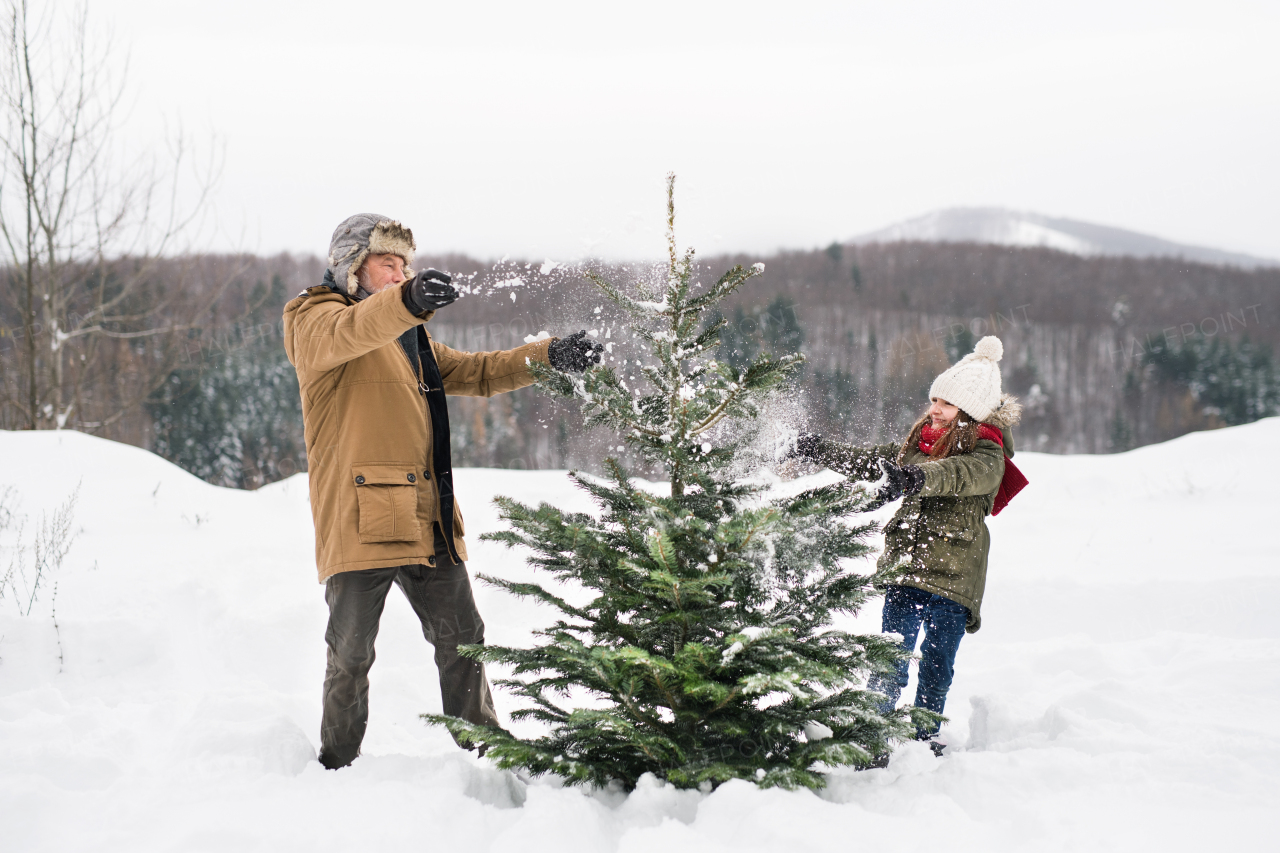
x=973 y=382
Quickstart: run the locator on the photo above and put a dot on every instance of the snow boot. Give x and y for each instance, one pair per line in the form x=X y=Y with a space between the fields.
x=936 y=744
x=332 y=762
x=877 y=762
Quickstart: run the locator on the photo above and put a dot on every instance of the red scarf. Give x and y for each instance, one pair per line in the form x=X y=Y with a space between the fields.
x=1013 y=480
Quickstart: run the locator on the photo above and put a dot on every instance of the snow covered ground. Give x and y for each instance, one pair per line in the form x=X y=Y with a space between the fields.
x=1121 y=695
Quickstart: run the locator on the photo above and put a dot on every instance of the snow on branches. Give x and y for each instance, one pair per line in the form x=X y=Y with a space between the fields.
x=707 y=647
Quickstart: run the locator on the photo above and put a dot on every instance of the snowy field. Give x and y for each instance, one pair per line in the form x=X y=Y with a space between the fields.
x=1122 y=694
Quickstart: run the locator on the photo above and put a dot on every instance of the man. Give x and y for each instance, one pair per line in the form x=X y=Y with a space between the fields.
x=373 y=388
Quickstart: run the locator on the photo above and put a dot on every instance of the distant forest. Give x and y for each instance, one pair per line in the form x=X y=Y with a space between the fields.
x=1107 y=354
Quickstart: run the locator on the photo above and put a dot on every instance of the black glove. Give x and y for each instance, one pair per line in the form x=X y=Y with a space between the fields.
x=429 y=290
x=899 y=480
x=575 y=353
x=808 y=445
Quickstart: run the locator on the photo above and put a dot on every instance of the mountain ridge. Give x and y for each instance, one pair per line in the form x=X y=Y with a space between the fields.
x=1006 y=227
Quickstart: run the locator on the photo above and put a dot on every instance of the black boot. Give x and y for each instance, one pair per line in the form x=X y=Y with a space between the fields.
x=936 y=745
x=332 y=762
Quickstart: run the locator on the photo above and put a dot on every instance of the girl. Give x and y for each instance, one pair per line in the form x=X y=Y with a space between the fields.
x=953 y=470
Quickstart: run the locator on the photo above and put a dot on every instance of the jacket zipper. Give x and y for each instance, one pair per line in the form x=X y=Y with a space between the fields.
x=417 y=374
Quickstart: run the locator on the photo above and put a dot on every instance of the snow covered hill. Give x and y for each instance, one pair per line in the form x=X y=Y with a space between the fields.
x=1121 y=696
x=1021 y=228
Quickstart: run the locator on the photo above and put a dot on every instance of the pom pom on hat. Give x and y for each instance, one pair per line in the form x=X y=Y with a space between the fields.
x=973 y=382
x=989 y=348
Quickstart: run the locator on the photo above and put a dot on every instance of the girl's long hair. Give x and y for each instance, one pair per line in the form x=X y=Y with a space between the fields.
x=960 y=437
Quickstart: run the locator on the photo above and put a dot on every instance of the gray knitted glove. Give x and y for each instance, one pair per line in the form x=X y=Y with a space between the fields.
x=808 y=445
x=575 y=353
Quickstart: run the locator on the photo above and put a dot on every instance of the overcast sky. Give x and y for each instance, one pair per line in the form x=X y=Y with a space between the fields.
x=544 y=129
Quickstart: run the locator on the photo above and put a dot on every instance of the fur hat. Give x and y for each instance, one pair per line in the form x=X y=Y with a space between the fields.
x=364 y=234
x=973 y=382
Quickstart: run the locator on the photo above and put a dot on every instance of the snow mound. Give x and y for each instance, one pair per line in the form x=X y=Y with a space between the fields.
x=1118 y=697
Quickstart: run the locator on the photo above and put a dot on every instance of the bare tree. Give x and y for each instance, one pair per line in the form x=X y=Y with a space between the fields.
x=84 y=227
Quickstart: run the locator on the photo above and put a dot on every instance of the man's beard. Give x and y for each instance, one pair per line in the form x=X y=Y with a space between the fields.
x=362 y=290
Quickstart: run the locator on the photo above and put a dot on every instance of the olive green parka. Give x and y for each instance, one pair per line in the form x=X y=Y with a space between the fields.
x=939 y=537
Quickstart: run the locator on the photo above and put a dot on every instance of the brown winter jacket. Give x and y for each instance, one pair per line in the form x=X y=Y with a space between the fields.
x=367 y=426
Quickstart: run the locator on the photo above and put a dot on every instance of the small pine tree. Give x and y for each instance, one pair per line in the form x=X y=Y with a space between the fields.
x=235 y=420
x=707 y=647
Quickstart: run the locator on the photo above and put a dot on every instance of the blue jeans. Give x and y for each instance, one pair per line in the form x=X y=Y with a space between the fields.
x=906 y=609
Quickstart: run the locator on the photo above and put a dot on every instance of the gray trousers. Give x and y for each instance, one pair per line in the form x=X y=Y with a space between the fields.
x=441 y=596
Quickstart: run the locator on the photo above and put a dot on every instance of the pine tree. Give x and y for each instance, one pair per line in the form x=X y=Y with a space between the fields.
x=1238 y=384
x=707 y=648
x=232 y=420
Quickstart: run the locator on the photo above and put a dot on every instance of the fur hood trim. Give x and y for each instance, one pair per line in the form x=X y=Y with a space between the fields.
x=1007 y=412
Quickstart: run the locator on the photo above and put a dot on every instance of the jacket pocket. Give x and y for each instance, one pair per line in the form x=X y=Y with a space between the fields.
x=387 y=500
x=955 y=523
